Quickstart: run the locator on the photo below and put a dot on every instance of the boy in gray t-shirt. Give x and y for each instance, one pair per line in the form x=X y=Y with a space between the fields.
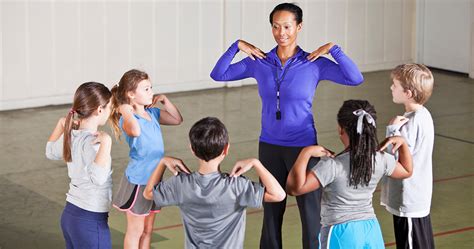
x=212 y=203
x=409 y=200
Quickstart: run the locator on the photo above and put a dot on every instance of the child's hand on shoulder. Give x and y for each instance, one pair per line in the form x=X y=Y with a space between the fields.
x=161 y=98
x=243 y=166
x=395 y=141
x=125 y=108
x=101 y=137
x=318 y=151
x=399 y=121
x=175 y=165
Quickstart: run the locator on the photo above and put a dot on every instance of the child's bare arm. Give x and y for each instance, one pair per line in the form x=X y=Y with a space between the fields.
x=54 y=146
x=173 y=164
x=301 y=181
x=130 y=123
x=170 y=114
x=404 y=167
x=58 y=130
x=154 y=179
x=273 y=191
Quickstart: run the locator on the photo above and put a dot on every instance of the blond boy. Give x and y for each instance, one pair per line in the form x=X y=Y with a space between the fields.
x=409 y=200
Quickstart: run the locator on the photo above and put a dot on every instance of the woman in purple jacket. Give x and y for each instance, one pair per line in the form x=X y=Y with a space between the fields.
x=287 y=78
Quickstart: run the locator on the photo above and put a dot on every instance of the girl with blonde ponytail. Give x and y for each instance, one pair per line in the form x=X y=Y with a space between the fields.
x=139 y=121
x=77 y=141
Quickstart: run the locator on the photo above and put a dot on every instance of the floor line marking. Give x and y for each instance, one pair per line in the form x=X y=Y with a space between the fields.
x=460 y=230
x=444 y=179
x=453 y=138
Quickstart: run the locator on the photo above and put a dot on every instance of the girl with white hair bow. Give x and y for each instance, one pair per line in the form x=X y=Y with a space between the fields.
x=349 y=179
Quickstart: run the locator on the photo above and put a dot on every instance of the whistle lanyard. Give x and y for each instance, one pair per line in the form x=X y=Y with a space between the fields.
x=278 y=82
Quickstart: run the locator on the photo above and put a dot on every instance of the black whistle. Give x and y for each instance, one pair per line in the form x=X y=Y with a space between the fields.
x=278 y=115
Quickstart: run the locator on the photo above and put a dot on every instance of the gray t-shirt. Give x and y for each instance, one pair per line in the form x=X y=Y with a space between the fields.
x=340 y=202
x=91 y=184
x=411 y=197
x=212 y=206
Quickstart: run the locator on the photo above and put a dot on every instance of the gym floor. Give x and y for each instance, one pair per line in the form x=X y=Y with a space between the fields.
x=32 y=188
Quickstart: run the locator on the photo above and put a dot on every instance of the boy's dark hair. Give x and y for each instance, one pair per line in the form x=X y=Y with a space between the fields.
x=290 y=7
x=363 y=146
x=208 y=138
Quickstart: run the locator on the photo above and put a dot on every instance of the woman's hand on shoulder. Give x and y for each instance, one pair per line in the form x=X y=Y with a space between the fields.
x=318 y=151
x=250 y=50
x=324 y=49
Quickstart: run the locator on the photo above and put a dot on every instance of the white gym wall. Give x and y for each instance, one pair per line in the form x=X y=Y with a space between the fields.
x=444 y=34
x=49 y=47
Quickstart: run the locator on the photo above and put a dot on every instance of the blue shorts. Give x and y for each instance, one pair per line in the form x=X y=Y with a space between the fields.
x=352 y=234
x=85 y=229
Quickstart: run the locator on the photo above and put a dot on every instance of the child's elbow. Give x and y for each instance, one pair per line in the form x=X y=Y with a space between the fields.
x=293 y=193
x=280 y=196
x=51 y=156
x=289 y=191
x=409 y=174
x=179 y=121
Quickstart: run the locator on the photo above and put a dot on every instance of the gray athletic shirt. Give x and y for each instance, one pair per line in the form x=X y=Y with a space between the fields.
x=340 y=202
x=411 y=197
x=91 y=184
x=212 y=206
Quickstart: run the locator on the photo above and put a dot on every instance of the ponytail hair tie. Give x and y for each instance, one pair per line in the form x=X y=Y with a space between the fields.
x=72 y=111
x=361 y=113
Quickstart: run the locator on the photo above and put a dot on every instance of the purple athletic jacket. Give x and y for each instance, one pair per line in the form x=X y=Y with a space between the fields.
x=298 y=85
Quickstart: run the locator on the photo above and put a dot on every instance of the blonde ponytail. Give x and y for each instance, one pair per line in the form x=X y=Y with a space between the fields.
x=115 y=115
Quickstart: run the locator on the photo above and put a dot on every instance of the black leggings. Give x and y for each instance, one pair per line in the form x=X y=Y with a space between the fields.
x=279 y=160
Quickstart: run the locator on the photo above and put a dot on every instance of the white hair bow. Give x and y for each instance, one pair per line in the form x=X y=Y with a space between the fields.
x=361 y=114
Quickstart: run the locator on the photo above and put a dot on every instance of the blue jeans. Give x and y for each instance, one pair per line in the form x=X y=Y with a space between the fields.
x=85 y=229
